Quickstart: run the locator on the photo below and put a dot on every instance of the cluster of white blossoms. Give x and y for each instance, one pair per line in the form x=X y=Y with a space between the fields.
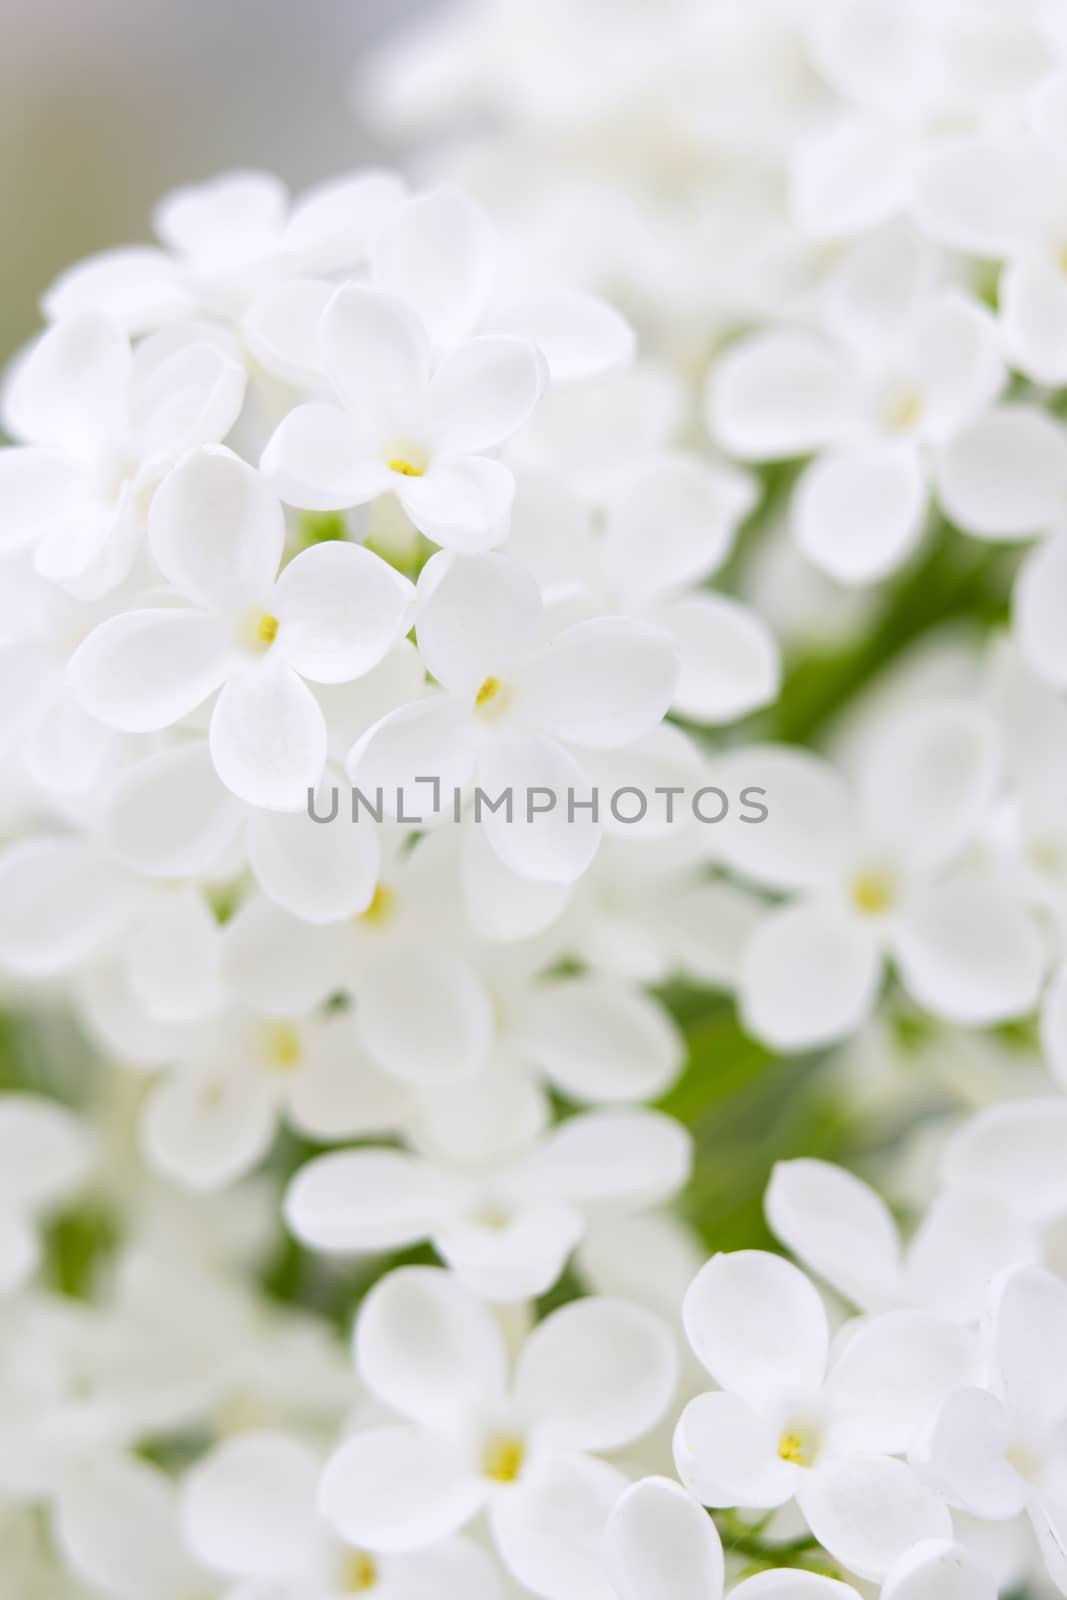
x=492 y=662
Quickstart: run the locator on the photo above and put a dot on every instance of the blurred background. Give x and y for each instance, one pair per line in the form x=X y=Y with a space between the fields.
x=105 y=105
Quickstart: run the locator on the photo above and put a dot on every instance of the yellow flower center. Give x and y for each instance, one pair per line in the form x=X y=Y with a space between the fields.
x=359 y=1572
x=406 y=469
x=267 y=630
x=795 y=1448
x=280 y=1046
x=492 y=697
x=904 y=410
x=257 y=631
x=380 y=908
x=502 y=1458
x=871 y=892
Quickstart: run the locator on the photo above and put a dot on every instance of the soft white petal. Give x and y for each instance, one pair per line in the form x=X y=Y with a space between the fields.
x=367 y=1200
x=205 y=1128
x=939 y=1570
x=217 y=531
x=602 y=683
x=778 y=394
x=340 y=608
x=890 y=1377
x=858 y=513
x=443 y=1040
x=268 y=738
x=599 y=1040
x=611 y=1159
x=248 y=1507
x=516 y=1260
x=41 y=493
x=116 y=1523
x=969 y=951
x=966 y=1456
x=188 y=391
x=545 y=829
x=281 y=328
x=482 y=393
x=838 y=1227
x=398 y=1488
x=170 y=817
x=318 y=458
x=320 y=871
x=809 y=976
x=430 y=738
x=726 y=1454
x=757 y=1325
x=338 y=1093
x=461 y=505
x=143 y=670
x=963 y=1244
x=673 y=523
x=595 y=1375
x=439 y=253
x=1029 y=1330
x=805 y=838
x=136 y=288
x=960 y=369
x=331 y=225
x=792 y=1583
x=45 y=1151
x=172 y=957
x=928 y=781
x=1015 y=1152
x=480 y=616
x=850 y=177
x=550 y=1530
x=1037 y=605
x=229 y=220
x=501 y=905
x=60 y=901
x=728 y=657
x=1033 y=315
x=70 y=388
x=277 y=965
x=984 y=196
x=1005 y=475
x=658 y=1542
x=427 y=1347
x=869 y=1510
x=376 y=354
x=579 y=335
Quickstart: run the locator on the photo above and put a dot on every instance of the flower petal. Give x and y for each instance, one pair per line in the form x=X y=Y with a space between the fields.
x=779 y=394
x=319 y=871
x=276 y=965
x=340 y=608
x=70 y=388
x=757 y=1325
x=868 y=1510
x=550 y=1530
x=727 y=1454
x=602 y=683
x=673 y=524
x=1037 y=605
x=60 y=901
x=1015 y=1152
x=810 y=827
x=205 y=1128
x=268 y=738
x=482 y=393
x=439 y=253
x=170 y=817
x=611 y=1159
x=376 y=354
x=1005 y=475
x=138 y=289
x=461 y=505
x=217 y=530
x=838 y=1227
x=40 y=493
x=658 y=1542
x=939 y=1570
x=890 y=1377
x=810 y=976
x=969 y=951
x=433 y=738
x=248 y=1507
x=966 y=1456
x=858 y=513
x=1033 y=317
x=356 y=1201
x=728 y=657
x=319 y=459
x=142 y=670
x=45 y=1152
x=545 y=829
x=443 y=1040
x=984 y=196
x=428 y=1348
x=599 y=1040
x=398 y=1488
x=332 y=224
x=480 y=616
x=579 y=335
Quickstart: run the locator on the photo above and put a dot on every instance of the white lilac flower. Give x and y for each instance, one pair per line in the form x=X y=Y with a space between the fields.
x=518 y=706
x=658 y=1542
x=248 y=1512
x=729 y=660
x=799 y=1417
x=999 y=1450
x=241 y=628
x=406 y=423
x=225 y=242
x=881 y=869
x=843 y=1231
x=101 y=424
x=589 y=1379
x=878 y=414
x=507 y=1228
x=46 y=1154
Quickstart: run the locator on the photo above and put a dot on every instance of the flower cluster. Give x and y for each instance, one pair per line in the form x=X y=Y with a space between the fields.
x=388 y=573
